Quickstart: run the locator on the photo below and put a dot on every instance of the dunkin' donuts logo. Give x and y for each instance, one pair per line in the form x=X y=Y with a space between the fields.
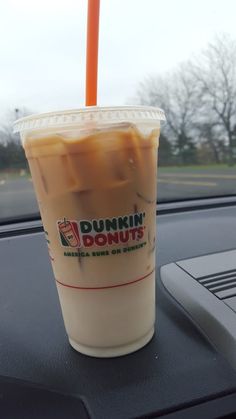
x=102 y=232
x=69 y=233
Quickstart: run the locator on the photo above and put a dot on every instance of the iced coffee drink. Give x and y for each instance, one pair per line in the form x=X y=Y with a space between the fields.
x=95 y=182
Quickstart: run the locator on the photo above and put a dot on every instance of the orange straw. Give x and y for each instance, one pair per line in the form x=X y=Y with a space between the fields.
x=92 y=52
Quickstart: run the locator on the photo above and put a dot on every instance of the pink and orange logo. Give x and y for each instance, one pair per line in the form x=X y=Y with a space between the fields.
x=69 y=233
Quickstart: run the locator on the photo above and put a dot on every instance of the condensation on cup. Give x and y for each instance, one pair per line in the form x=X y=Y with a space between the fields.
x=94 y=172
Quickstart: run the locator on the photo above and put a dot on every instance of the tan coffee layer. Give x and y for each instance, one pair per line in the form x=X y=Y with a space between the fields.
x=121 y=137
x=101 y=176
x=97 y=197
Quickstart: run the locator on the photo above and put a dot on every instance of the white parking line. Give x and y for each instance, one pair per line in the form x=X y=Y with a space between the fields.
x=198 y=175
x=186 y=182
x=2 y=182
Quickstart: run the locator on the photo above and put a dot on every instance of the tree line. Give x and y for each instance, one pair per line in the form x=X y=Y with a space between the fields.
x=12 y=154
x=199 y=99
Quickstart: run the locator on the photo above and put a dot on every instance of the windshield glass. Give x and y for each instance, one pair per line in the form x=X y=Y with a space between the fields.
x=180 y=56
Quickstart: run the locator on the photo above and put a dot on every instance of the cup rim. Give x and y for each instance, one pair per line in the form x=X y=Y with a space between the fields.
x=90 y=115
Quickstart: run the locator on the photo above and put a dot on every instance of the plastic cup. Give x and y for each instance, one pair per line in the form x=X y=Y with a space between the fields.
x=94 y=172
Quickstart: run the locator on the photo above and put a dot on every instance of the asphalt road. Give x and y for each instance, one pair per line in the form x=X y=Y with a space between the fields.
x=189 y=183
x=17 y=196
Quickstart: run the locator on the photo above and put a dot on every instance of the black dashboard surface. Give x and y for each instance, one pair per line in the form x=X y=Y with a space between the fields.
x=177 y=370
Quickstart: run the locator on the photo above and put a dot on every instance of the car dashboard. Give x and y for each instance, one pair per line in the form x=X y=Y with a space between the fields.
x=179 y=374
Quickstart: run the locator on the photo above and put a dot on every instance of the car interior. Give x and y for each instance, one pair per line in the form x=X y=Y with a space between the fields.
x=188 y=369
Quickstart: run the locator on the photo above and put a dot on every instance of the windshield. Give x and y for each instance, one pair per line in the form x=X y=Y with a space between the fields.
x=180 y=56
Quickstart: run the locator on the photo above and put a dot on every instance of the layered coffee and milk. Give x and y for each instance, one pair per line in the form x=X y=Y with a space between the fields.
x=96 y=190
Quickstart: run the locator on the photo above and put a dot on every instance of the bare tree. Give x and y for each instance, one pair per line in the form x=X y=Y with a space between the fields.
x=6 y=127
x=215 y=74
x=177 y=95
x=11 y=152
x=209 y=133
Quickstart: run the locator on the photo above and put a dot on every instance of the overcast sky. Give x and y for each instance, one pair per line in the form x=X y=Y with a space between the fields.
x=42 y=46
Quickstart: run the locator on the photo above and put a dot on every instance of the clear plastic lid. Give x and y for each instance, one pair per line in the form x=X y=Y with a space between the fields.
x=91 y=115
